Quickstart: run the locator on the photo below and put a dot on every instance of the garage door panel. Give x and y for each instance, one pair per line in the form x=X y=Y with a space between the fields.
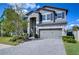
x=50 y=34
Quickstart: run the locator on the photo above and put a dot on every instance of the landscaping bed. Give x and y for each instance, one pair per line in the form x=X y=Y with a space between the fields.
x=6 y=40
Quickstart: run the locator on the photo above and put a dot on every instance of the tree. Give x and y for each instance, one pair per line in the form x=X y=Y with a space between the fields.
x=75 y=28
x=1 y=27
x=19 y=10
x=13 y=22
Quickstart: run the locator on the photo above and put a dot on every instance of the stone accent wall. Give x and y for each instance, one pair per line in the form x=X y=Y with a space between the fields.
x=37 y=21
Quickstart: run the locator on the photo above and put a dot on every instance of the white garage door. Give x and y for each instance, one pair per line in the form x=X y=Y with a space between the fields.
x=50 y=34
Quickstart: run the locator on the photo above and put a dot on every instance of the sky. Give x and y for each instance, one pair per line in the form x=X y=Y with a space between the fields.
x=72 y=16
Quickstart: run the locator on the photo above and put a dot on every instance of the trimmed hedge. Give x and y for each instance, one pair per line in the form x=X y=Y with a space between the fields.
x=69 y=39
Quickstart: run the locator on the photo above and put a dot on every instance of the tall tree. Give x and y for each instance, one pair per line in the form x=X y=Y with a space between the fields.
x=19 y=10
x=13 y=22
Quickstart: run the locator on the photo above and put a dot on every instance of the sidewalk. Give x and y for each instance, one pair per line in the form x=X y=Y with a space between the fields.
x=2 y=46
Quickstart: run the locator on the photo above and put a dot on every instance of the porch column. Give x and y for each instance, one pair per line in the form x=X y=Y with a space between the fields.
x=38 y=18
x=28 y=28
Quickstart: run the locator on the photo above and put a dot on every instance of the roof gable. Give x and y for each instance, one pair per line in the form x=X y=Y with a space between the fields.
x=51 y=7
x=46 y=8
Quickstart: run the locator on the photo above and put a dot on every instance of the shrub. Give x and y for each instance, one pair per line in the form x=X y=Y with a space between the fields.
x=30 y=35
x=70 y=34
x=69 y=39
x=25 y=36
x=36 y=36
x=14 y=39
x=6 y=34
x=20 y=38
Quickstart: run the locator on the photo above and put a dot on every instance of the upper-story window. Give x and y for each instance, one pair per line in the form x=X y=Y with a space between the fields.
x=49 y=16
x=43 y=17
x=60 y=15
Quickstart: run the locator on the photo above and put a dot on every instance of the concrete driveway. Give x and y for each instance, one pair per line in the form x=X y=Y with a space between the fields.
x=36 y=47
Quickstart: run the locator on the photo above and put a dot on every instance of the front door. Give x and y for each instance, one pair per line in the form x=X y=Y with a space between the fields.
x=33 y=26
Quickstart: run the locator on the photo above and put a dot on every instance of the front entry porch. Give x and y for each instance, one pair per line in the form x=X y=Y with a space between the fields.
x=32 y=26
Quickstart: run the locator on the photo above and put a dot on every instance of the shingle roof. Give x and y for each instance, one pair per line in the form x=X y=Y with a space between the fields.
x=45 y=8
x=54 y=7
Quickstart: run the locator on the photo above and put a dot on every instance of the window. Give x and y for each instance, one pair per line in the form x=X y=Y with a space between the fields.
x=49 y=16
x=52 y=16
x=43 y=17
x=60 y=15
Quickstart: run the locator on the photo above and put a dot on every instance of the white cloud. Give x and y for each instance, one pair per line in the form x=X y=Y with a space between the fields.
x=77 y=20
x=25 y=11
x=24 y=7
x=38 y=6
x=31 y=5
x=71 y=25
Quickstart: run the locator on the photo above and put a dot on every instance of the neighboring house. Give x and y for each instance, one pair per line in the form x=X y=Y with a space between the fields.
x=47 y=22
x=76 y=35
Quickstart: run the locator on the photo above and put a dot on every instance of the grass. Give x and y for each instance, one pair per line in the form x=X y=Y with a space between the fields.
x=6 y=40
x=72 y=48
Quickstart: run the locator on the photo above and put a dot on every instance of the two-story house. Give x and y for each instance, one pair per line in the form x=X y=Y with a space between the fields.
x=47 y=22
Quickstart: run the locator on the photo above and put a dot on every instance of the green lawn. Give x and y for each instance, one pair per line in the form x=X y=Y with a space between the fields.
x=72 y=48
x=6 y=40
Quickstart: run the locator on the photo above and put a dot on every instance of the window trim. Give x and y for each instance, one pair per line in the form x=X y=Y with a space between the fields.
x=46 y=19
x=49 y=16
x=60 y=15
x=43 y=17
